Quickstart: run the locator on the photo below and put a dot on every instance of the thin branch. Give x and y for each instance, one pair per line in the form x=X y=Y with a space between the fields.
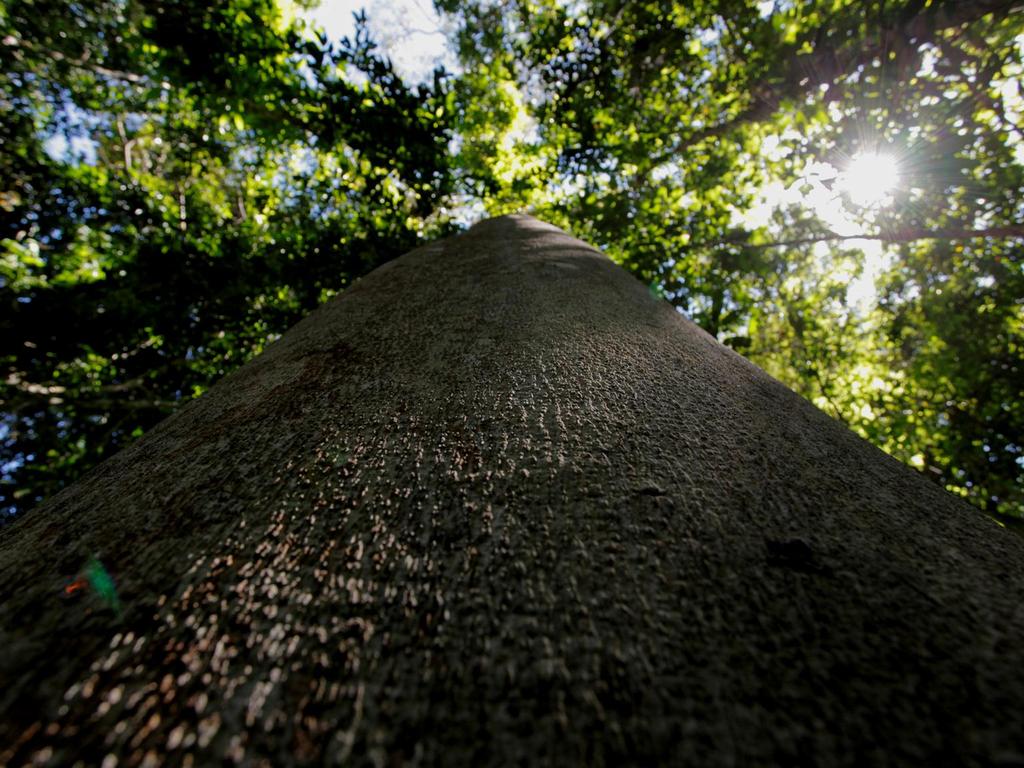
x=80 y=63
x=29 y=394
x=826 y=393
x=901 y=235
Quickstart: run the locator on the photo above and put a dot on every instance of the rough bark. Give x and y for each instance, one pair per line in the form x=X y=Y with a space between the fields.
x=498 y=504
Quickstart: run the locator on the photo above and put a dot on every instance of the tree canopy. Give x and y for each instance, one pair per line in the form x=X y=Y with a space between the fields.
x=833 y=188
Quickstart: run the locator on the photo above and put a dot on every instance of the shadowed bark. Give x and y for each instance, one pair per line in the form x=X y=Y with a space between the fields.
x=498 y=504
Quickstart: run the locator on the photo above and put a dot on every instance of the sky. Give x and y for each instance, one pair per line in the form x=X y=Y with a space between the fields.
x=410 y=32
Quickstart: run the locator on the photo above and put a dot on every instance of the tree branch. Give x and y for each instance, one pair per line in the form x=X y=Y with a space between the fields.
x=901 y=235
x=29 y=394
x=81 y=62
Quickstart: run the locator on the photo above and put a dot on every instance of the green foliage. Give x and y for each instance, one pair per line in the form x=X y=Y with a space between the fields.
x=223 y=170
x=233 y=176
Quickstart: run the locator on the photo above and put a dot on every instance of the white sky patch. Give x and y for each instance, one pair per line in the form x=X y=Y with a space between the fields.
x=985 y=281
x=56 y=146
x=1012 y=94
x=861 y=292
x=821 y=188
x=574 y=9
x=409 y=32
x=466 y=210
x=81 y=148
x=666 y=170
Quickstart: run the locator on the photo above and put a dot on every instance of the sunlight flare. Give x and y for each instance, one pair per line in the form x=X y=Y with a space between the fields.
x=870 y=178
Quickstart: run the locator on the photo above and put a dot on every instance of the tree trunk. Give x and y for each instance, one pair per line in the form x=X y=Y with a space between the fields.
x=498 y=504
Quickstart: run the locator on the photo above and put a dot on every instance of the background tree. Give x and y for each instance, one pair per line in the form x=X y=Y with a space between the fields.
x=182 y=183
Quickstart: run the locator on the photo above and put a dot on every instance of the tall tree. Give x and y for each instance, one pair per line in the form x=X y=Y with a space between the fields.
x=498 y=503
x=182 y=181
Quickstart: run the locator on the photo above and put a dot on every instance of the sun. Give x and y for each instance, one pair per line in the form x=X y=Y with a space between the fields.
x=869 y=178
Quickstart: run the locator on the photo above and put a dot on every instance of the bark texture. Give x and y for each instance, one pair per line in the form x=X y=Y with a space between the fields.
x=497 y=504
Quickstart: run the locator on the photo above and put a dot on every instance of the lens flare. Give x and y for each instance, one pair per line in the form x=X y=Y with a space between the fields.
x=869 y=179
